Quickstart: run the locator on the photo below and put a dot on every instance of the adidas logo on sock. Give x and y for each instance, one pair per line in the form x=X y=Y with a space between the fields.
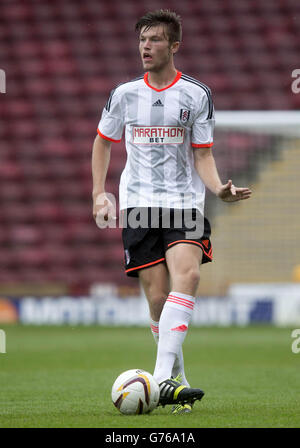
x=181 y=328
x=157 y=103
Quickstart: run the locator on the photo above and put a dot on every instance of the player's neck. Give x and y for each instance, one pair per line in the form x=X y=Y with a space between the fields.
x=162 y=78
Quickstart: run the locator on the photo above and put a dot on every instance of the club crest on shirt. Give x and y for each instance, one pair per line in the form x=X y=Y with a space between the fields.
x=184 y=115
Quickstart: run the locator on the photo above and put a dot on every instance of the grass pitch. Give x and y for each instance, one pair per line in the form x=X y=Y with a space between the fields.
x=61 y=377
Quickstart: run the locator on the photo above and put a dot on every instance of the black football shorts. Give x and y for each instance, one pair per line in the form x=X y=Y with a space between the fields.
x=145 y=244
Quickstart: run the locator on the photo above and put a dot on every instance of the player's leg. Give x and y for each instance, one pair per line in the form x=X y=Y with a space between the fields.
x=155 y=282
x=183 y=261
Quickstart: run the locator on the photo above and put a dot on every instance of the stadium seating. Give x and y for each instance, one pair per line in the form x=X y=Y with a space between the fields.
x=61 y=60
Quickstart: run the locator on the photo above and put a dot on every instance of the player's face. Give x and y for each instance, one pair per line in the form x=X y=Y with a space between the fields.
x=155 y=49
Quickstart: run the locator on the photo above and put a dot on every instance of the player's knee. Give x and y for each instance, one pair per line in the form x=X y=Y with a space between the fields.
x=189 y=276
x=193 y=276
x=158 y=298
x=156 y=303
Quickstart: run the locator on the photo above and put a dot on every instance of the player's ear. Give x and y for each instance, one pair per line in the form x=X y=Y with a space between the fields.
x=175 y=47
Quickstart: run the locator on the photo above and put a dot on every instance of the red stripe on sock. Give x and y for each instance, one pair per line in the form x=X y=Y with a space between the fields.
x=181 y=303
x=181 y=298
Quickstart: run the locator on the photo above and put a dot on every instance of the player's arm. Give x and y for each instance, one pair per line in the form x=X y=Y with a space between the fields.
x=206 y=168
x=110 y=129
x=100 y=164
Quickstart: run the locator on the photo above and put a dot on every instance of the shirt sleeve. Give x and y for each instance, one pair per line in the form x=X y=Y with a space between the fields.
x=111 y=124
x=203 y=126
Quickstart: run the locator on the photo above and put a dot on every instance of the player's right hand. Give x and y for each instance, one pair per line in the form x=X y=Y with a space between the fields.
x=230 y=193
x=104 y=211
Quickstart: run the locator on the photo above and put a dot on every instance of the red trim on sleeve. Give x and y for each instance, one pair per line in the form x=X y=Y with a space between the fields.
x=203 y=145
x=108 y=138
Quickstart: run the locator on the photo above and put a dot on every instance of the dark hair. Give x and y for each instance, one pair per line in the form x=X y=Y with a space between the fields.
x=162 y=17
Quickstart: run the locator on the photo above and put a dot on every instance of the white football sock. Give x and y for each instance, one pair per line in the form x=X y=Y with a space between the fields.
x=173 y=326
x=178 y=367
x=155 y=329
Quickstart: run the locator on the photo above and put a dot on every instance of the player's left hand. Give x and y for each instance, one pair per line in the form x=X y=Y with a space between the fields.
x=104 y=211
x=229 y=193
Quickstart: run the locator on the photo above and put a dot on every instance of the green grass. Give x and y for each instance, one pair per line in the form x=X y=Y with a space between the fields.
x=62 y=377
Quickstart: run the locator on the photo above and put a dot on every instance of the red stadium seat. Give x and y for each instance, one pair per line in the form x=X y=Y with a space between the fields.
x=25 y=235
x=32 y=257
x=79 y=234
x=45 y=211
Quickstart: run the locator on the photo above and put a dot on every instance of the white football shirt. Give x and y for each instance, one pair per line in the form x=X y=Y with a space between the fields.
x=162 y=129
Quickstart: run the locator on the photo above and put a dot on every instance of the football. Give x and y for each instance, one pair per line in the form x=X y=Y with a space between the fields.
x=135 y=392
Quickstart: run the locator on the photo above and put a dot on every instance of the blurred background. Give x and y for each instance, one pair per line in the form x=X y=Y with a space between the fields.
x=61 y=59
